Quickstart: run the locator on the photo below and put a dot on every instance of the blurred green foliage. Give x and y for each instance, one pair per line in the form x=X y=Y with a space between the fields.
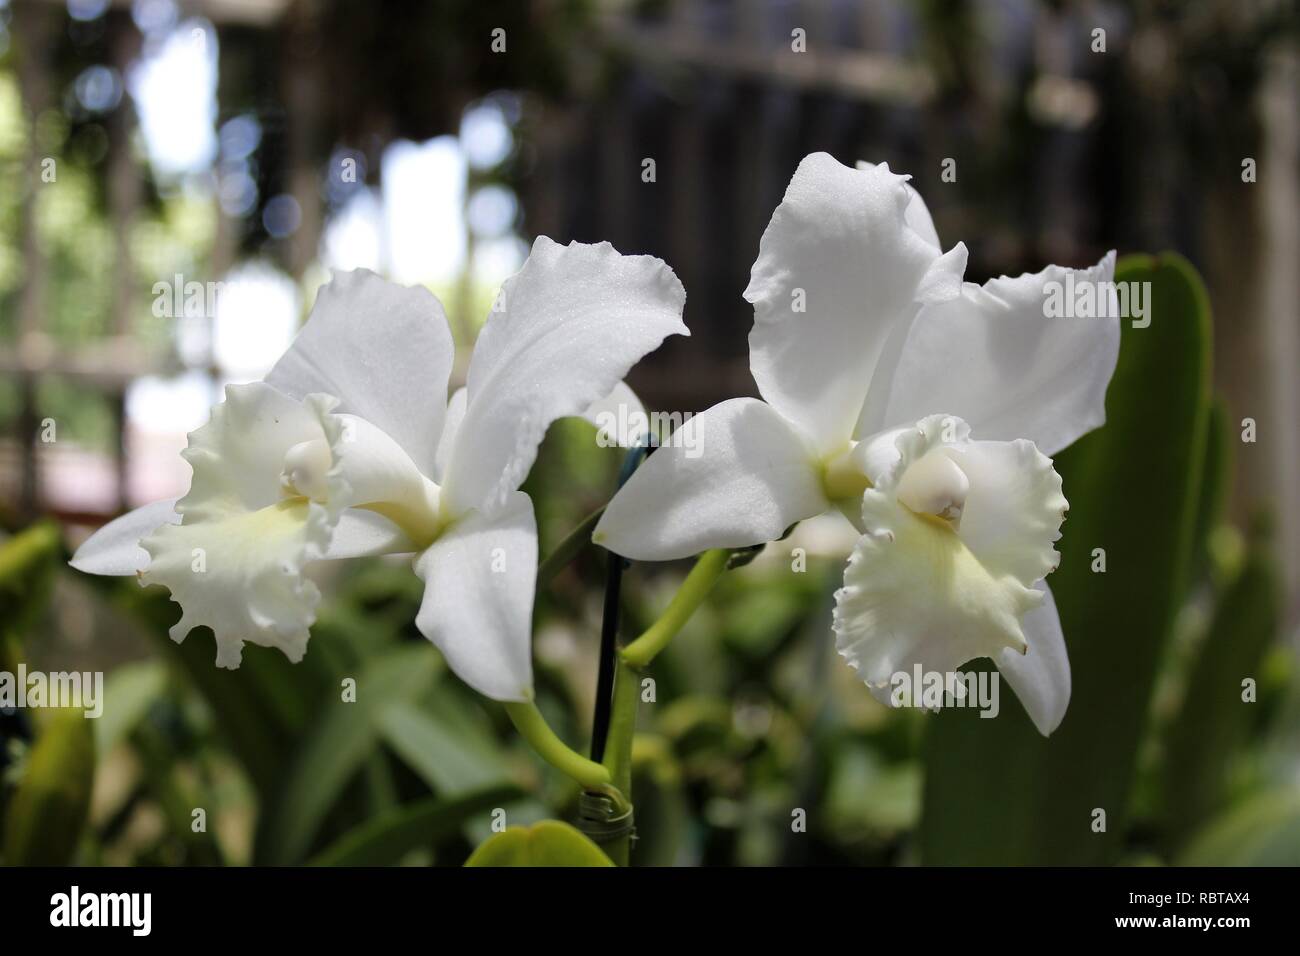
x=45 y=817
x=1209 y=738
x=43 y=808
x=756 y=745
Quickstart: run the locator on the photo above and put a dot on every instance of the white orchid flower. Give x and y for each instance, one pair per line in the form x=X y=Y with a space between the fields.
x=350 y=447
x=876 y=363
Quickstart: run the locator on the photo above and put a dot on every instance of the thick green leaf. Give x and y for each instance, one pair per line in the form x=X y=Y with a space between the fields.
x=387 y=838
x=341 y=740
x=47 y=813
x=1263 y=831
x=662 y=810
x=1216 y=478
x=549 y=843
x=1214 y=721
x=996 y=792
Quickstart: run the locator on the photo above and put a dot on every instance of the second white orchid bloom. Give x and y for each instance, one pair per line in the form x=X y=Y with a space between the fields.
x=351 y=447
x=877 y=363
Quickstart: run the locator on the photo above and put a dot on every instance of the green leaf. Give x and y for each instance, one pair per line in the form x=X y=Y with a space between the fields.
x=998 y=793
x=337 y=747
x=549 y=843
x=245 y=718
x=662 y=810
x=453 y=752
x=27 y=562
x=1263 y=831
x=129 y=691
x=387 y=838
x=1206 y=736
x=1216 y=478
x=263 y=708
x=568 y=549
x=869 y=799
x=176 y=793
x=48 y=811
x=447 y=761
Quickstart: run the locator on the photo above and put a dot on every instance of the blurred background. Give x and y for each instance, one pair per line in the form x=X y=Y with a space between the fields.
x=177 y=179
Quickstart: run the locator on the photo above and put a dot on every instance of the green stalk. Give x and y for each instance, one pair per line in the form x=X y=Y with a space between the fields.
x=528 y=720
x=622 y=725
x=708 y=568
x=618 y=749
x=613 y=777
x=627 y=679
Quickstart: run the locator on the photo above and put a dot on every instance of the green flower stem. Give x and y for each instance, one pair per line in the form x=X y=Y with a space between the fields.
x=622 y=724
x=528 y=720
x=613 y=777
x=618 y=749
x=627 y=679
x=708 y=568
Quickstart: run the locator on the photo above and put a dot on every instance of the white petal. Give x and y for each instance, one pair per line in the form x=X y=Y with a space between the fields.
x=917 y=214
x=918 y=217
x=878 y=456
x=115 y=548
x=1041 y=676
x=743 y=477
x=235 y=562
x=381 y=477
x=1014 y=507
x=840 y=240
x=620 y=416
x=993 y=357
x=450 y=429
x=478 y=598
x=383 y=350
x=564 y=331
x=363 y=534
